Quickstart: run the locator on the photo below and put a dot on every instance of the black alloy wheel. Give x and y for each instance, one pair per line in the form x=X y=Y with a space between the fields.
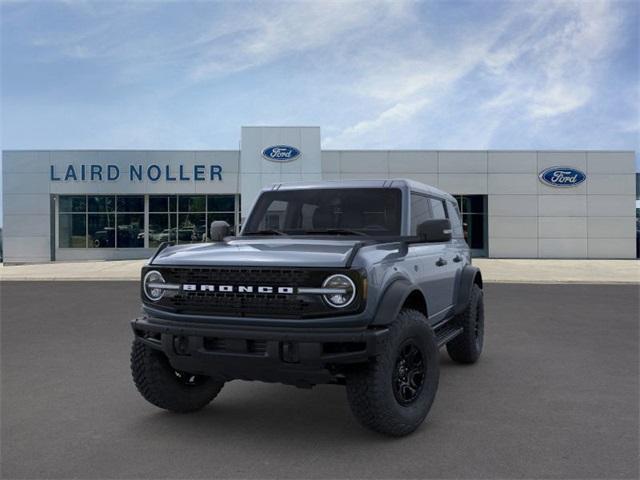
x=408 y=374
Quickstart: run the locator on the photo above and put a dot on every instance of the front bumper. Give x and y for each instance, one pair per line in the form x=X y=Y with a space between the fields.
x=299 y=356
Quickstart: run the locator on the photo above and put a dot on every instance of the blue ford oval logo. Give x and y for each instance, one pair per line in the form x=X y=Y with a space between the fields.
x=281 y=153
x=562 y=177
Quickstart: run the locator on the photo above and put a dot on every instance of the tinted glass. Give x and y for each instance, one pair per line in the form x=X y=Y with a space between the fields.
x=475 y=204
x=437 y=208
x=72 y=230
x=101 y=230
x=456 y=222
x=158 y=203
x=471 y=203
x=192 y=227
x=133 y=203
x=72 y=203
x=221 y=203
x=130 y=230
x=159 y=229
x=420 y=211
x=192 y=203
x=102 y=203
x=373 y=211
x=475 y=229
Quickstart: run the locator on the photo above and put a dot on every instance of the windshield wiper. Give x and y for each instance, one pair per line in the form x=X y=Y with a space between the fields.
x=265 y=232
x=336 y=231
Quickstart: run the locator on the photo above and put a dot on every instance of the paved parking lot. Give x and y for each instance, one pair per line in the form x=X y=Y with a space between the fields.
x=554 y=396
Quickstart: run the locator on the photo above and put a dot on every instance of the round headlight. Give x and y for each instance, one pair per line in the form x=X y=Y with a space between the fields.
x=150 y=285
x=344 y=291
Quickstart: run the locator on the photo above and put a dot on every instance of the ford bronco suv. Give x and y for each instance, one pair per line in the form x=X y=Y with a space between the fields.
x=355 y=283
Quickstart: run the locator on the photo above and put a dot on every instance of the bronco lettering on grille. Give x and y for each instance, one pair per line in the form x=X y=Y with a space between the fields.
x=192 y=287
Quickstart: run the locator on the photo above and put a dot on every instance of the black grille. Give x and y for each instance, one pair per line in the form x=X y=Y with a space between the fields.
x=252 y=347
x=249 y=304
x=242 y=276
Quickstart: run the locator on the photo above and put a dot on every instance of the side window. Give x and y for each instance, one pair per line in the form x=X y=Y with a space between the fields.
x=420 y=211
x=456 y=223
x=437 y=207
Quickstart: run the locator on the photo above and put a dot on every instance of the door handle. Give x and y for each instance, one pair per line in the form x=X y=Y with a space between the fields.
x=441 y=262
x=457 y=258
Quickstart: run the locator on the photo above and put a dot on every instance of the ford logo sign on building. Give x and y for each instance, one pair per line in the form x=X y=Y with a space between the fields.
x=562 y=177
x=281 y=153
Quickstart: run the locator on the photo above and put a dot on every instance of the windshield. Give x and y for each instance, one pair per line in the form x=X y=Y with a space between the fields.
x=353 y=211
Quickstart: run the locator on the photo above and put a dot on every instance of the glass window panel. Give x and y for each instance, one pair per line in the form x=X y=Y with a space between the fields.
x=130 y=230
x=192 y=227
x=476 y=204
x=463 y=204
x=475 y=230
x=420 y=211
x=306 y=212
x=101 y=229
x=454 y=216
x=158 y=203
x=437 y=208
x=159 y=229
x=173 y=203
x=374 y=210
x=72 y=203
x=192 y=203
x=221 y=203
x=72 y=230
x=131 y=203
x=102 y=203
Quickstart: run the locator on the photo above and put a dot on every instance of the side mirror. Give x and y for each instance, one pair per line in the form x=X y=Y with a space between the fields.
x=219 y=229
x=436 y=230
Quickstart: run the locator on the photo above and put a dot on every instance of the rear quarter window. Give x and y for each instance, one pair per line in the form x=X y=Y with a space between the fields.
x=438 y=208
x=454 y=217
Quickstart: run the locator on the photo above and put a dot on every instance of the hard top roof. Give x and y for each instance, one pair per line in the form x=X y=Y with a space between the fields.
x=402 y=183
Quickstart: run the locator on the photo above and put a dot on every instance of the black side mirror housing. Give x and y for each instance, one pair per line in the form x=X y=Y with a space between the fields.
x=436 y=230
x=219 y=229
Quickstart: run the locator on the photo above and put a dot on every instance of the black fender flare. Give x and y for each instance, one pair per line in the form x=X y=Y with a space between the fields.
x=392 y=300
x=468 y=277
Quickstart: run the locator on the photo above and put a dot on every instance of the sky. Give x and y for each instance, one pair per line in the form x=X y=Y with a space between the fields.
x=372 y=74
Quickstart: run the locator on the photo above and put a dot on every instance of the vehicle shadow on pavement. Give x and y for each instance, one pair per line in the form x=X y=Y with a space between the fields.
x=261 y=411
x=255 y=408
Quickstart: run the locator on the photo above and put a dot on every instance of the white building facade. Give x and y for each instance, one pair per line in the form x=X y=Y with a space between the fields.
x=121 y=204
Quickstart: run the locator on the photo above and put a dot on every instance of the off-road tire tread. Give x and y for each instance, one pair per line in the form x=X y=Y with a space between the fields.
x=367 y=385
x=150 y=368
x=463 y=349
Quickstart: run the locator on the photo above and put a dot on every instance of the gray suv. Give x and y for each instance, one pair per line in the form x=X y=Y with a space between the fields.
x=354 y=283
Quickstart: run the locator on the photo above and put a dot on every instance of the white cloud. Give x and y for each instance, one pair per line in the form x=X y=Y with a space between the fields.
x=261 y=37
x=392 y=73
x=539 y=60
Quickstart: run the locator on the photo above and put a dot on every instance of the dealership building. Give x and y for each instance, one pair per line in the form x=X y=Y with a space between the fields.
x=121 y=204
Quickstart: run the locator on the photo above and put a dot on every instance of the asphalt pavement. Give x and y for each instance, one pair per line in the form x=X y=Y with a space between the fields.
x=555 y=395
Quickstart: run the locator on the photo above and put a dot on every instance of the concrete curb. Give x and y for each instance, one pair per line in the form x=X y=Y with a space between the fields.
x=587 y=272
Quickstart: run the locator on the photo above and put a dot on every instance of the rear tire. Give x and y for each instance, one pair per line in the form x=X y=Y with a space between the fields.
x=467 y=347
x=394 y=392
x=161 y=385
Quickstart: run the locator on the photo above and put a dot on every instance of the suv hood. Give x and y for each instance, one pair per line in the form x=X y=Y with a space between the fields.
x=289 y=252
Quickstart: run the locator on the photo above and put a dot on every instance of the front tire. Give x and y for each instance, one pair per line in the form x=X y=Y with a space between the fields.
x=394 y=393
x=161 y=385
x=467 y=347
